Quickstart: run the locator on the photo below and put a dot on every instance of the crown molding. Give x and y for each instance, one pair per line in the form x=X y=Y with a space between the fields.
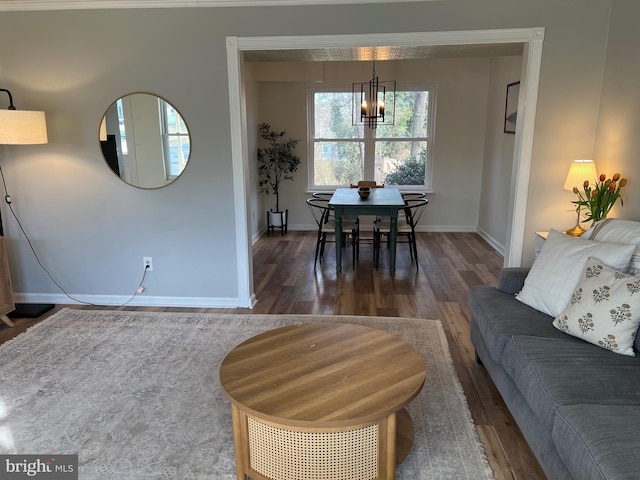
x=463 y=37
x=31 y=5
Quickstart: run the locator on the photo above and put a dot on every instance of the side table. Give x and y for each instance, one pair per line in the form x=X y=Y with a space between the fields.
x=541 y=237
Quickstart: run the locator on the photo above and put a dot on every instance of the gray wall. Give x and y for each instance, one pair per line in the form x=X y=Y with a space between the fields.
x=618 y=142
x=498 y=155
x=92 y=230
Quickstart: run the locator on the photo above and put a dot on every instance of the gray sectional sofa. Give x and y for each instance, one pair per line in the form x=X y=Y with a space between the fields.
x=577 y=404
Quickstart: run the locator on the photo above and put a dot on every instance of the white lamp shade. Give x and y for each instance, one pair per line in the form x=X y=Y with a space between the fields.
x=22 y=127
x=580 y=171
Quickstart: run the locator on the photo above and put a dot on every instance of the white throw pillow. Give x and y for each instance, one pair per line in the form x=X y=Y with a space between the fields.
x=618 y=230
x=604 y=309
x=559 y=265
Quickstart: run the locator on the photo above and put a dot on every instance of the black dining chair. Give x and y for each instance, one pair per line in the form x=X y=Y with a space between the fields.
x=322 y=195
x=346 y=219
x=325 y=220
x=413 y=195
x=408 y=218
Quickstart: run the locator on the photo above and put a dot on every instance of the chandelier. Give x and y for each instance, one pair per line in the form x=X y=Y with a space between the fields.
x=374 y=102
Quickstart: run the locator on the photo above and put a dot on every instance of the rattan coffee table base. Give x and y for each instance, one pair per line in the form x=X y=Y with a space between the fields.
x=269 y=451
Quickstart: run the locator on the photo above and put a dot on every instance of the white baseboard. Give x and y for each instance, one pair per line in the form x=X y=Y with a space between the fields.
x=256 y=236
x=139 y=300
x=447 y=228
x=497 y=246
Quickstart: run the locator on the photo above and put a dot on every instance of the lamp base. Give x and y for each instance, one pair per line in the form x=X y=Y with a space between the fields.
x=576 y=231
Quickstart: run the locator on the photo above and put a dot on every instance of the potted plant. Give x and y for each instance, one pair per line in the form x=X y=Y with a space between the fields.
x=276 y=163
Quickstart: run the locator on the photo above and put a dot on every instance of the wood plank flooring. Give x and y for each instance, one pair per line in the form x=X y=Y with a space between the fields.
x=449 y=264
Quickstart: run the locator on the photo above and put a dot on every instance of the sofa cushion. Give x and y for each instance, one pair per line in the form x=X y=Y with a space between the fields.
x=500 y=316
x=511 y=279
x=557 y=269
x=552 y=372
x=604 y=309
x=599 y=441
x=618 y=230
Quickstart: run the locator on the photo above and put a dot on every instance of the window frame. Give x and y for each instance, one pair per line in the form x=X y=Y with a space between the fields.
x=163 y=105
x=369 y=140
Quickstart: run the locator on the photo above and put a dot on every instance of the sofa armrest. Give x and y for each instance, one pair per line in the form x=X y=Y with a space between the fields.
x=511 y=280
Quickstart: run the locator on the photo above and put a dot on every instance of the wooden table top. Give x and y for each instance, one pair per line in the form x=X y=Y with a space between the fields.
x=322 y=375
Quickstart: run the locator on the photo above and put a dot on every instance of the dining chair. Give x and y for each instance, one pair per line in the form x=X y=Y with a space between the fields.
x=322 y=195
x=408 y=218
x=346 y=219
x=413 y=195
x=325 y=220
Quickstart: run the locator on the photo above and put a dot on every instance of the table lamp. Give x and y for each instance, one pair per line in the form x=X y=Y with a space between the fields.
x=22 y=127
x=580 y=171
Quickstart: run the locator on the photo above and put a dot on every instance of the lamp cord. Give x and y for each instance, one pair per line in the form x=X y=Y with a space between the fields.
x=8 y=201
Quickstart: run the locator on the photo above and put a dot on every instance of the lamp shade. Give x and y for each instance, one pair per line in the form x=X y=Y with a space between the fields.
x=22 y=127
x=580 y=171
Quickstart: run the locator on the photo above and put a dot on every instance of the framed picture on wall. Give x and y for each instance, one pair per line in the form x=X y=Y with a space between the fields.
x=511 y=107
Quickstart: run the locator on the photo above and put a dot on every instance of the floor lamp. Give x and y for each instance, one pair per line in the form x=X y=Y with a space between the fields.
x=21 y=127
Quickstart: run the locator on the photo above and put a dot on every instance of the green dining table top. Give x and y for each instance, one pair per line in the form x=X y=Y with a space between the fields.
x=379 y=197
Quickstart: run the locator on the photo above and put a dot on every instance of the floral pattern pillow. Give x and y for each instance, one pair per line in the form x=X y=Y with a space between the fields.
x=604 y=308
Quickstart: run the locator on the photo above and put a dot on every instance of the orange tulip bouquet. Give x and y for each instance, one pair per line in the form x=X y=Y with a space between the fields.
x=599 y=199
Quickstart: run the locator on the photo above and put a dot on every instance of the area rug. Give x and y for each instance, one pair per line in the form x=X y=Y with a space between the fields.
x=137 y=395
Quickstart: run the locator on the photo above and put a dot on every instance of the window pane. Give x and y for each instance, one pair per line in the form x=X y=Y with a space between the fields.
x=121 y=127
x=401 y=163
x=338 y=163
x=332 y=116
x=411 y=117
x=178 y=154
x=182 y=127
x=172 y=118
x=175 y=123
x=397 y=154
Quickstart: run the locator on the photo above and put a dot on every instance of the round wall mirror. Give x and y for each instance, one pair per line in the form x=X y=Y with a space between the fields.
x=145 y=140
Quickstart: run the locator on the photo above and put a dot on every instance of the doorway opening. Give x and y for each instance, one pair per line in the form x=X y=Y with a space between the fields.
x=531 y=40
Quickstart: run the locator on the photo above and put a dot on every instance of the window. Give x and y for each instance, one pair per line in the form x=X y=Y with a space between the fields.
x=175 y=139
x=341 y=153
x=121 y=127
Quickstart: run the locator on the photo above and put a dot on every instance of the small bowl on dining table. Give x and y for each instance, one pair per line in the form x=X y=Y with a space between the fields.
x=364 y=192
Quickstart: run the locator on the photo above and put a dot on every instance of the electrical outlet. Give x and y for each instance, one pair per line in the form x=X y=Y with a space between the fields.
x=148 y=263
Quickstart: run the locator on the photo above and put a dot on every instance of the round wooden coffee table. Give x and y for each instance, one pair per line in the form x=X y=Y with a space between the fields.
x=321 y=401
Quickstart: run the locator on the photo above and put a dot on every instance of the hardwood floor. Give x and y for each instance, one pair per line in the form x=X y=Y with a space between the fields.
x=450 y=263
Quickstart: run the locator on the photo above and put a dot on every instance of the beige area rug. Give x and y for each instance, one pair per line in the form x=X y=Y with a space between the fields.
x=137 y=396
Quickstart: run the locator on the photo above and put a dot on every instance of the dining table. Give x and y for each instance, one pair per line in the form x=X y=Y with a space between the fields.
x=383 y=202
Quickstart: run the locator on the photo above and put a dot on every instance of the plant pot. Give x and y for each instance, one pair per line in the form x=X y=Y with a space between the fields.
x=277 y=220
